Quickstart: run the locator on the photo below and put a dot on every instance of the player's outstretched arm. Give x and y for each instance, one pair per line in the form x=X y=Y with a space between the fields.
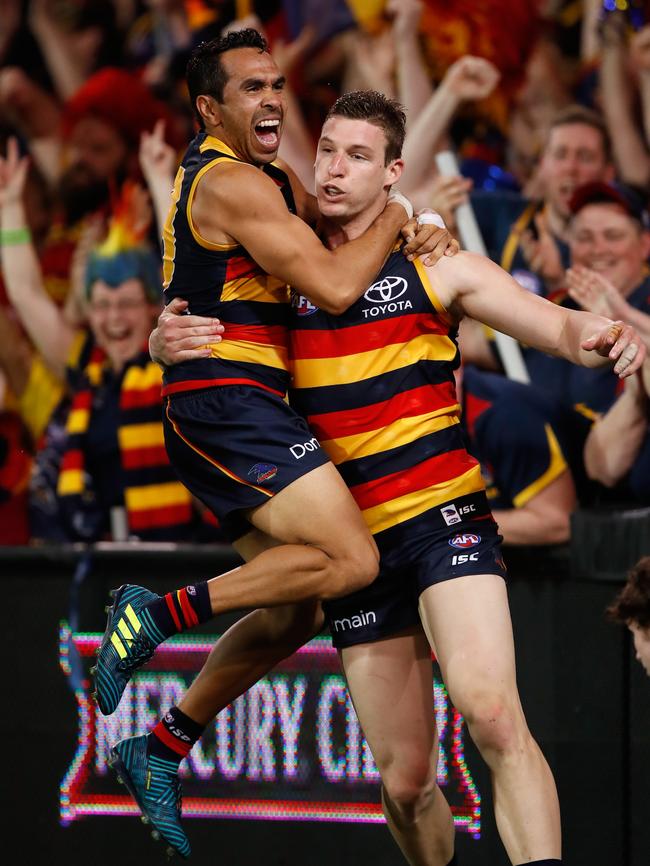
x=246 y=205
x=470 y=284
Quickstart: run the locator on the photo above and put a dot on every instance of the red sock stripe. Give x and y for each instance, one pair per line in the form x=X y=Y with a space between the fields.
x=172 y=742
x=186 y=607
x=172 y=609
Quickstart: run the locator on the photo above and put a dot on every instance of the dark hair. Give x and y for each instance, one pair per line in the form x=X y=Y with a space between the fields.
x=581 y=114
x=377 y=109
x=632 y=604
x=205 y=73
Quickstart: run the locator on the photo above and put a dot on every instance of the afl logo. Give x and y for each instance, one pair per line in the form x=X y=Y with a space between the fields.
x=301 y=306
x=466 y=539
x=388 y=289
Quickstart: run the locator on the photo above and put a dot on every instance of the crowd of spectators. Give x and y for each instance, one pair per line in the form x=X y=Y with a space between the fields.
x=545 y=105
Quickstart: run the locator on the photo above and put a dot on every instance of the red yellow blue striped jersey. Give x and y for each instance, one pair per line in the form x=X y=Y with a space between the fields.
x=223 y=280
x=377 y=388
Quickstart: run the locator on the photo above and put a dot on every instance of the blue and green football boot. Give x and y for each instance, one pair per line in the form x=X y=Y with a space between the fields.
x=154 y=784
x=129 y=641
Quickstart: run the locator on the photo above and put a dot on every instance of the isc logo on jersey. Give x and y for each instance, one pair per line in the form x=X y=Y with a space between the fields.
x=386 y=297
x=301 y=306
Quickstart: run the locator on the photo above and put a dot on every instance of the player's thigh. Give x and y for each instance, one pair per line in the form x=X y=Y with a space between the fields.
x=468 y=621
x=316 y=509
x=391 y=685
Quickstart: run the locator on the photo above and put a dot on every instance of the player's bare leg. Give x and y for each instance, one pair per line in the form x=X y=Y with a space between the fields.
x=326 y=549
x=391 y=684
x=469 y=620
x=251 y=647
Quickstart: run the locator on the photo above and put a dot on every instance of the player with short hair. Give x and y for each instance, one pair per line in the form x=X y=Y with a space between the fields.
x=376 y=385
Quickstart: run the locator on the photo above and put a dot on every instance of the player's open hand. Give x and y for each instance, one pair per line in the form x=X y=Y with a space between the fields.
x=622 y=344
x=181 y=337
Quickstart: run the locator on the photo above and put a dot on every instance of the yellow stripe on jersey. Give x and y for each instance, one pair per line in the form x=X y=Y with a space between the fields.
x=251 y=353
x=400 y=432
x=431 y=293
x=314 y=372
x=261 y=288
x=201 y=241
x=169 y=236
x=211 y=142
x=556 y=467
x=395 y=511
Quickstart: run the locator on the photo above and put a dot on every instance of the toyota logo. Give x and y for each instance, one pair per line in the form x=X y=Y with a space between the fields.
x=388 y=289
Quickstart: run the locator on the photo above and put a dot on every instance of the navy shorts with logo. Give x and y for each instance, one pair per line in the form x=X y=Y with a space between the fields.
x=235 y=447
x=454 y=539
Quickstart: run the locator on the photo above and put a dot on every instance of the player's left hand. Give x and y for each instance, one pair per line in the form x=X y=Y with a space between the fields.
x=622 y=344
x=427 y=241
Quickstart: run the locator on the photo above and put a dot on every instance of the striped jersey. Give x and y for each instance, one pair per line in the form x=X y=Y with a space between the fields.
x=377 y=388
x=222 y=280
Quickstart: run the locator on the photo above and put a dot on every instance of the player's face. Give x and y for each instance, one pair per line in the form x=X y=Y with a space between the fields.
x=253 y=107
x=120 y=319
x=574 y=155
x=351 y=175
x=641 y=637
x=606 y=239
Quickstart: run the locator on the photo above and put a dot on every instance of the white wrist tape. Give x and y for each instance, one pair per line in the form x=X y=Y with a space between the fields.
x=431 y=218
x=401 y=199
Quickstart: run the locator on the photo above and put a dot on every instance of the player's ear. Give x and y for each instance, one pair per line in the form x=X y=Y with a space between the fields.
x=394 y=171
x=208 y=107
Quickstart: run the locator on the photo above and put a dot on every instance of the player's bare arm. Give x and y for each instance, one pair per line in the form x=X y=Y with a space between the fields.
x=239 y=204
x=472 y=285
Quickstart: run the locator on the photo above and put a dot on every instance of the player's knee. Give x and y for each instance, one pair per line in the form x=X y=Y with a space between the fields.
x=409 y=790
x=352 y=572
x=496 y=724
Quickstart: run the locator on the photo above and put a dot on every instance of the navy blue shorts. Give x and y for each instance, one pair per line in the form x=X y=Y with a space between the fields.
x=415 y=555
x=235 y=447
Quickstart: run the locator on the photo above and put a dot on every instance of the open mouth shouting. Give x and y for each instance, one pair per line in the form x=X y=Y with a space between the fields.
x=267 y=132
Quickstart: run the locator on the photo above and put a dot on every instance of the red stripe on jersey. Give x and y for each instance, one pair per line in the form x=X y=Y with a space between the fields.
x=238 y=267
x=365 y=337
x=474 y=408
x=435 y=470
x=417 y=401
x=268 y=335
x=197 y=384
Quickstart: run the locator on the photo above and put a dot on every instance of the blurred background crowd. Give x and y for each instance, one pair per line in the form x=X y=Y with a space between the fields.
x=545 y=105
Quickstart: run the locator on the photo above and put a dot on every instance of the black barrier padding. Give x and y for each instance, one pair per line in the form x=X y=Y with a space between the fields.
x=586 y=698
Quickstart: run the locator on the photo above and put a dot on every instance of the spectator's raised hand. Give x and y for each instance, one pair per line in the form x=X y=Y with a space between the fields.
x=158 y=160
x=288 y=54
x=593 y=292
x=542 y=253
x=13 y=174
x=471 y=78
x=406 y=15
x=640 y=49
x=447 y=193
